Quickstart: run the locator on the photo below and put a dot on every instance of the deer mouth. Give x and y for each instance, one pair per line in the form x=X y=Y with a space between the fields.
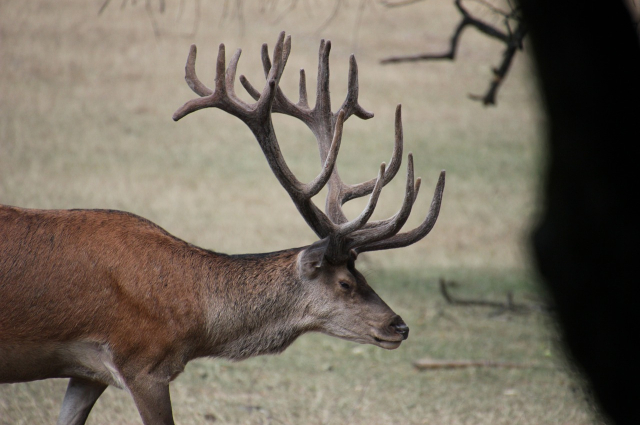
x=387 y=344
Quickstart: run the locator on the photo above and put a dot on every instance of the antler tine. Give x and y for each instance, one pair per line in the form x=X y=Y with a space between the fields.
x=339 y=245
x=230 y=75
x=220 y=70
x=222 y=97
x=286 y=48
x=358 y=222
x=317 y=220
x=384 y=229
x=275 y=71
x=321 y=115
x=350 y=104
x=281 y=52
x=323 y=98
x=281 y=103
x=280 y=49
x=303 y=102
x=253 y=92
x=301 y=196
x=336 y=198
x=190 y=74
x=350 y=192
x=404 y=239
x=416 y=189
x=319 y=182
x=266 y=60
x=263 y=128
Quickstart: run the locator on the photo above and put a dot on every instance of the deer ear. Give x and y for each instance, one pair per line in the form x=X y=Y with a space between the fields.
x=312 y=258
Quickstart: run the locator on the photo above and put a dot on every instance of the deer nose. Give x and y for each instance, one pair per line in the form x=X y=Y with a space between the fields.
x=400 y=327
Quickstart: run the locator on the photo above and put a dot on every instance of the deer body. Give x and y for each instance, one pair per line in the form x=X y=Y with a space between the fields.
x=151 y=302
x=143 y=291
x=108 y=298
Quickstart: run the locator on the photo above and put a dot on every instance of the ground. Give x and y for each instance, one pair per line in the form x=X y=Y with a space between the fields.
x=85 y=122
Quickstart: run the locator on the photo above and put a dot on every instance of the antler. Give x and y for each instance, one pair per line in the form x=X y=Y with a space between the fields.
x=346 y=238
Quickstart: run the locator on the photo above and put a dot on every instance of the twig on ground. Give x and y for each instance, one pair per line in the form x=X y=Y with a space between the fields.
x=398 y=3
x=430 y=364
x=508 y=306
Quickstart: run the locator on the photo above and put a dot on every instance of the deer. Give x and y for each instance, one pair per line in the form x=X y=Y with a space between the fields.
x=106 y=297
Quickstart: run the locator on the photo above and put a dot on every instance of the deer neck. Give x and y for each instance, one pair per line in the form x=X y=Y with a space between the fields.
x=256 y=307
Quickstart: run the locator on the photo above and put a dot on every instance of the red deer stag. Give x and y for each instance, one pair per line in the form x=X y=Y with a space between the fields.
x=109 y=298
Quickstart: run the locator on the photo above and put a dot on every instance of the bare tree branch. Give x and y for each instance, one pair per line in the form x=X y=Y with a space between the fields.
x=499 y=74
x=152 y=18
x=104 y=6
x=494 y=9
x=513 y=39
x=290 y=8
x=331 y=17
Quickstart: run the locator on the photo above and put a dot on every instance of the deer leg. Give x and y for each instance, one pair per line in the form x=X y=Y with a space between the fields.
x=80 y=397
x=153 y=401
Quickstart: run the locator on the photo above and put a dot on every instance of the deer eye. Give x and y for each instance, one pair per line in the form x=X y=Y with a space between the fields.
x=345 y=285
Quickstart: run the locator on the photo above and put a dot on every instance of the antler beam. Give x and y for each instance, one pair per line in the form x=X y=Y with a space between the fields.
x=345 y=238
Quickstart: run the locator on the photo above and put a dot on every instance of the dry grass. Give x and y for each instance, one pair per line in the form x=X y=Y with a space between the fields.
x=85 y=122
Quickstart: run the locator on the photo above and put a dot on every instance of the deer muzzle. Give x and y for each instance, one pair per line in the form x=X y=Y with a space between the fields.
x=393 y=335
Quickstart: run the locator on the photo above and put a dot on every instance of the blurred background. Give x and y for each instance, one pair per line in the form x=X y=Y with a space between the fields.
x=87 y=91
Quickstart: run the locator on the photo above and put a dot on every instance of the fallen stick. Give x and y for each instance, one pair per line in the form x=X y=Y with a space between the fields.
x=427 y=364
x=509 y=305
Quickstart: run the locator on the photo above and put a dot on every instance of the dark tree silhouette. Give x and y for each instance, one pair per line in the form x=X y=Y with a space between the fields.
x=587 y=242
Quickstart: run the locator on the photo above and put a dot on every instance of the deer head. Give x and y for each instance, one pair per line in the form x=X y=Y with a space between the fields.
x=330 y=261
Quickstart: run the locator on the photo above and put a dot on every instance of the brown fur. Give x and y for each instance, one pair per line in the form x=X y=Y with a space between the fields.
x=109 y=297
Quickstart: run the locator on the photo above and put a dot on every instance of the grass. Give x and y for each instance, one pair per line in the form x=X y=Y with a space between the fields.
x=320 y=380
x=85 y=122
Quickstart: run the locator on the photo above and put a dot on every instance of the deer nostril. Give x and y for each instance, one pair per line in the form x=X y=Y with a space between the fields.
x=402 y=330
x=400 y=327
